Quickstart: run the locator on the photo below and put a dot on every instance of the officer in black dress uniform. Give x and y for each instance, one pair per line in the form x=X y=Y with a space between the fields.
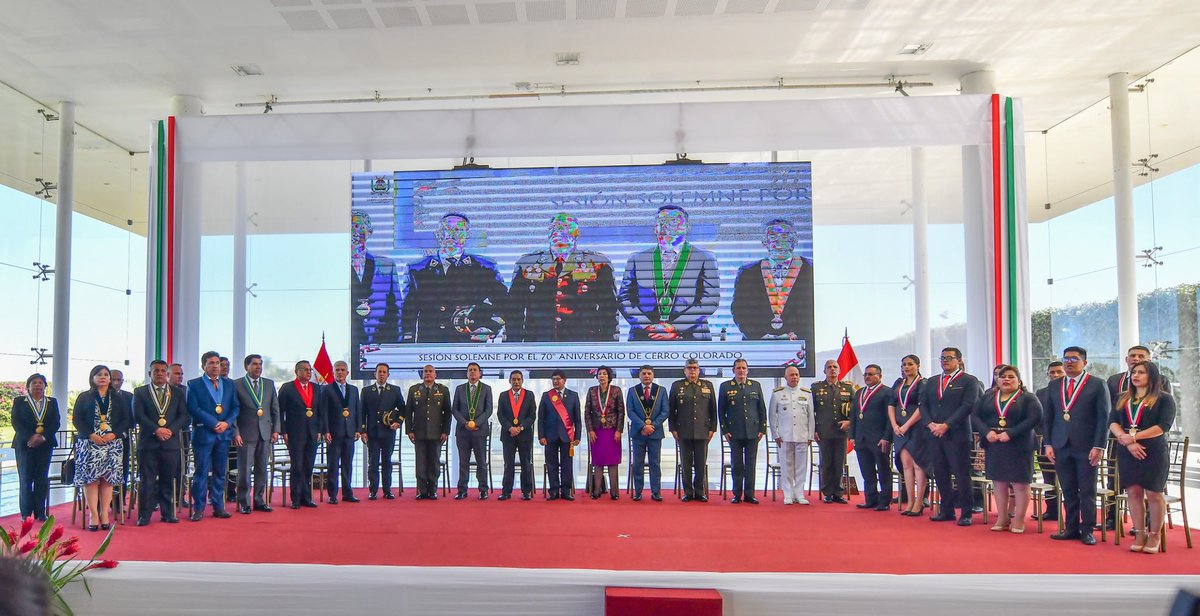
x=383 y=414
x=428 y=419
x=831 y=406
x=452 y=296
x=743 y=412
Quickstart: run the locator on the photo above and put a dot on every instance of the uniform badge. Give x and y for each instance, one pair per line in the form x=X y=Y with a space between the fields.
x=466 y=260
x=434 y=263
x=363 y=309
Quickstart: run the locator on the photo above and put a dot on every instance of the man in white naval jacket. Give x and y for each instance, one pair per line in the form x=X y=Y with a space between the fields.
x=791 y=419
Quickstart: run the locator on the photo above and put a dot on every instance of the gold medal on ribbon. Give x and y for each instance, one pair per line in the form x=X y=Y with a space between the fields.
x=554 y=398
x=104 y=427
x=471 y=425
x=516 y=421
x=220 y=409
x=39 y=430
x=345 y=412
x=308 y=412
x=260 y=412
x=1066 y=417
x=904 y=413
x=1003 y=422
x=860 y=415
x=1133 y=430
x=162 y=422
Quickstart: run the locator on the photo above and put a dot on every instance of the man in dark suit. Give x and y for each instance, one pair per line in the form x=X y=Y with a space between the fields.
x=256 y=430
x=648 y=409
x=946 y=404
x=1053 y=371
x=773 y=297
x=472 y=410
x=303 y=427
x=175 y=379
x=743 y=412
x=118 y=380
x=428 y=413
x=343 y=420
x=871 y=433
x=383 y=414
x=693 y=421
x=374 y=288
x=1119 y=382
x=213 y=407
x=559 y=424
x=516 y=413
x=161 y=412
x=1076 y=427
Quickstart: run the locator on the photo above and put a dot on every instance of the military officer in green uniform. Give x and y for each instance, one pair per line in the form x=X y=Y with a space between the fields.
x=743 y=411
x=693 y=421
x=428 y=422
x=831 y=401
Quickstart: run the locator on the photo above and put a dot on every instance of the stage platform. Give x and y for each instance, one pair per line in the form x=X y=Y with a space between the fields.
x=463 y=557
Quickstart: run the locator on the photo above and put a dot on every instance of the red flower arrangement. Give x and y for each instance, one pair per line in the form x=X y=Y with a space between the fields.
x=45 y=548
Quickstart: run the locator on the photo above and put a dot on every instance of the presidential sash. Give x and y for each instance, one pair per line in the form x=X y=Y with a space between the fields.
x=557 y=402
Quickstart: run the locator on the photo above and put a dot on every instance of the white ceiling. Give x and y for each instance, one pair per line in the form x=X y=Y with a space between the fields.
x=121 y=62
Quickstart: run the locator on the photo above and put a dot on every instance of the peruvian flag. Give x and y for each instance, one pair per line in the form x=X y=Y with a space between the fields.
x=323 y=365
x=848 y=361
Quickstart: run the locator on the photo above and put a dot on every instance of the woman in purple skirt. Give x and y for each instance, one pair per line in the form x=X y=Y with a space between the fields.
x=604 y=414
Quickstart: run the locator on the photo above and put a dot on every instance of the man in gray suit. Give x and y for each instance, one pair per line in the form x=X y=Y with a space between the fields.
x=669 y=291
x=472 y=410
x=254 y=432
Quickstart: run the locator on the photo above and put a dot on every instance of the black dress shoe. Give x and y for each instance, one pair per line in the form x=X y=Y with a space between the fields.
x=309 y=504
x=1066 y=535
x=841 y=500
x=656 y=498
x=388 y=495
x=551 y=497
x=244 y=510
x=143 y=522
x=751 y=500
x=616 y=496
x=569 y=497
x=420 y=497
x=294 y=505
x=865 y=506
x=637 y=497
x=593 y=496
x=171 y=520
x=735 y=500
x=460 y=496
x=1088 y=539
x=263 y=508
x=942 y=517
x=503 y=497
x=332 y=500
x=964 y=521
x=195 y=517
x=883 y=507
x=432 y=496
x=686 y=498
x=703 y=499
x=222 y=514
x=351 y=499
x=977 y=509
x=372 y=496
x=526 y=497
x=483 y=495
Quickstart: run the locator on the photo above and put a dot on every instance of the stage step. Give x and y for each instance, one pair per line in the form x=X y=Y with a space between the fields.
x=628 y=601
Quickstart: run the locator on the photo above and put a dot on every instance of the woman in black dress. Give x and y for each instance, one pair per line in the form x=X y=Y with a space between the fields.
x=909 y=440
x=101 y=416
x=35 y=419
x=1140 y=420
x=1005 y=420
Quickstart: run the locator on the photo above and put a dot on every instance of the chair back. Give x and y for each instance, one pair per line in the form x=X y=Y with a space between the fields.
x=1177 y=451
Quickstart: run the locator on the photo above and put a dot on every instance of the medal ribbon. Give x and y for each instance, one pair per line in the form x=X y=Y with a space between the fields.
x=38 y=411
x=561 y=408
x=648 y=410
x=865 y=395
x=603 y=402
x=472 y=399
x=161 y=404
x=903 y=394
x=306 y=394
x=1002 y=411
x=1067 y=404
x=255 y=395
x=102 y=406
x=778 y=294
x=665 y=292
x=945 y=380
x=516 y=403
x=1134 y=419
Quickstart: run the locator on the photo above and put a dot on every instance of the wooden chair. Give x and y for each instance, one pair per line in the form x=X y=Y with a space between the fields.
x=1107 y=497
x=60 y=454
x=1039 y=490
x=982 y=483
x=774 y=469
x=279 y=465
x=444 y=467
x=814 y=463
x=726 y=464
x=1176 y=476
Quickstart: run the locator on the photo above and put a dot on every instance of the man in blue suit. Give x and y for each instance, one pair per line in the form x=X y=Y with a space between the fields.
x=343 y=418
x=558 y=431
x=646 y=405
x=213 y=405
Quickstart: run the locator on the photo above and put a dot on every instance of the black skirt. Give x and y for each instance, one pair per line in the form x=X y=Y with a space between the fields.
x=1011 y=461
x=1150 y=473
x=916 y=442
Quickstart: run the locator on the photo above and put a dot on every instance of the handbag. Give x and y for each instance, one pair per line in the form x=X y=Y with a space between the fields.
x=68 y=471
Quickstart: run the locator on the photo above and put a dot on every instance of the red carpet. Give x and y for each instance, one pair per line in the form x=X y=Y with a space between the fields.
x=667 y=536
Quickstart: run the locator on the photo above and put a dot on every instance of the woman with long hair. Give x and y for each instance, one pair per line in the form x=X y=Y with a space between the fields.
x=1140 y=421
x=101 y=416
x=1005 y=419
x=909 y=443
x=604 y=414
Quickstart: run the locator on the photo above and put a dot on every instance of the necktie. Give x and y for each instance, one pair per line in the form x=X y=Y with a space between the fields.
x=1070 y=388
x=646 y=391
x=158 y=392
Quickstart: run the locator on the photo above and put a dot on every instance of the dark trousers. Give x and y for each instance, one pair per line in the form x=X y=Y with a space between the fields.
x=472 y=442
x=647 y=450
x=833 y=463
x=341 y=466
x=160 y=471
x=252 y=466
x=744 y=454
x=560 y=467
x=514 y=447
x=1077 y=477
x=693 y=459
x=33 y=474
x=303 y=452
x=952 y=457
x=212 y=463
x=379 y=456
x=427 y=452
x=876 y=470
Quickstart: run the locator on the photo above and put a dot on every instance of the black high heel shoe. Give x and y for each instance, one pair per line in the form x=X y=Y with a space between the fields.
x=93 y=528
x=105 y=526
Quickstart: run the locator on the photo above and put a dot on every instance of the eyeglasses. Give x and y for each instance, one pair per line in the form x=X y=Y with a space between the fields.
x=1072 y=360
x=948 y=358
x=872 y=374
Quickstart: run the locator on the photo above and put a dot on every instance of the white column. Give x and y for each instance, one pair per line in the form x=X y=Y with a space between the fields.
x=1127 y=302
x=188 y=222
x=976 y=234
x=239 y=268
x=923 y=338
x=61 y=347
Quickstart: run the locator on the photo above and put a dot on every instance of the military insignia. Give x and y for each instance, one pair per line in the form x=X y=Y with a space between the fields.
x=583 y=275
x=466 y=260
x=363 y=309
x=776 y=389
x=434 y=263
x=418 y=394
x=704 y=391
x=381 y=185
x=532 y=273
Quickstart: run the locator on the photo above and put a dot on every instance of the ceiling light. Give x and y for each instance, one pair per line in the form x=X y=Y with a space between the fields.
x=566 y=58
x=915 y=49
x=246 y=70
